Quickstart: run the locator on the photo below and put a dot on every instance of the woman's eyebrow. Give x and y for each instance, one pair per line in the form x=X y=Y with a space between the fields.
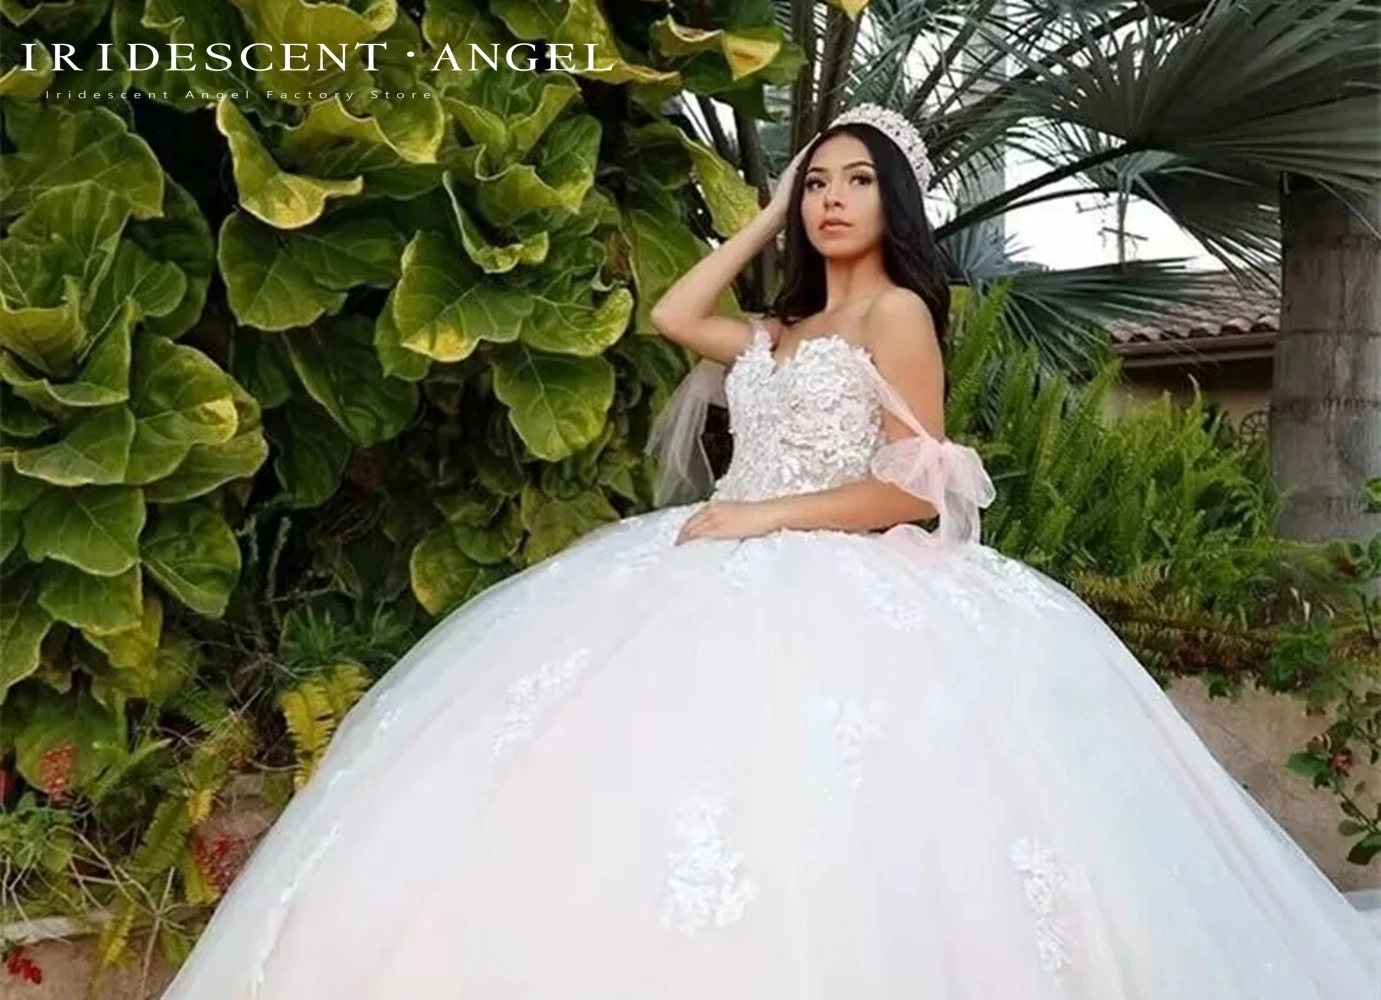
x=853 y=163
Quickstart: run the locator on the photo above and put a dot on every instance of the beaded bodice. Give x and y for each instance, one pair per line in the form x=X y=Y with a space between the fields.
x=810 y=422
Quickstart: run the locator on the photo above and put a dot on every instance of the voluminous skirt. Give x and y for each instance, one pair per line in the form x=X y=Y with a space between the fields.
x=813 y=765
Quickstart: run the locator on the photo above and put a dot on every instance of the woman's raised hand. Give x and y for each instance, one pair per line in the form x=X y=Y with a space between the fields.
x=780 y=203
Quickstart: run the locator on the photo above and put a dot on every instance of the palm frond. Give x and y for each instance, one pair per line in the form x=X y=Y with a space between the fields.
x=1065 y=313
x=1252 y=82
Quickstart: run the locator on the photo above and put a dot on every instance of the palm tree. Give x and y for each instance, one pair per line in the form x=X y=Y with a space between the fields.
x=1207 y=109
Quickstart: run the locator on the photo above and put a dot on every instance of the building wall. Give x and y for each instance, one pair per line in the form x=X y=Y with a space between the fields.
x=1252 y=736
x=1240 y=388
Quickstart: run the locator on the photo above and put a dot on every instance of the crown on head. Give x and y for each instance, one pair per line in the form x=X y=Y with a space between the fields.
x=895 y=126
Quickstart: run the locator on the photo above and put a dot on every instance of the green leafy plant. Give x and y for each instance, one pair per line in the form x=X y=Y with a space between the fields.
x=1355 y=730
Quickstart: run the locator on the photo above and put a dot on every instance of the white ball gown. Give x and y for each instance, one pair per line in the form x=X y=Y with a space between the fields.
x=812 y=765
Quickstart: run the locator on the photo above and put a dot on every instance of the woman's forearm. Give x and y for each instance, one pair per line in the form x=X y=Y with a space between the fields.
x=865 y=505
x=695 y=295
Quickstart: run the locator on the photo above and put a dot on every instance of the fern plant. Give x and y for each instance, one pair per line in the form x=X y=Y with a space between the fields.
x=315 y=708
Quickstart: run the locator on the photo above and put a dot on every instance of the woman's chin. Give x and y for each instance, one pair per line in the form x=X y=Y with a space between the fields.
x=837 y=249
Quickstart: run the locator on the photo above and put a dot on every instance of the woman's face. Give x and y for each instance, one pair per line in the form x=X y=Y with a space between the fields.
x=841 y=206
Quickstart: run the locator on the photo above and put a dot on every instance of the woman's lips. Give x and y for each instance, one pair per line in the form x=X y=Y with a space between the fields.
x=833 y=224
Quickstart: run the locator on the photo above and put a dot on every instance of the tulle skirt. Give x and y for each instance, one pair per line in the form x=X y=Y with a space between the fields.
x=813 y=765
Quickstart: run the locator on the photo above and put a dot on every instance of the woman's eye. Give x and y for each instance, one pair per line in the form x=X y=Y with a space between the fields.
x=863 y=178
x=813 y=183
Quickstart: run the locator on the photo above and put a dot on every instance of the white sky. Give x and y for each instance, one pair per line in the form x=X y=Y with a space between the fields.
x=1068 y=232
x=1060 y=235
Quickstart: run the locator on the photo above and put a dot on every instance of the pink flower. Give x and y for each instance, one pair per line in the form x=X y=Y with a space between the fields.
x=1341 y=761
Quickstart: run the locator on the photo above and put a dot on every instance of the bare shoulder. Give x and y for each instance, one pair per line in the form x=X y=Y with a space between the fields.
x=899 y=321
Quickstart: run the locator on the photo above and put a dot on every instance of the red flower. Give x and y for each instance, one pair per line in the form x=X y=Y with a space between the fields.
x=21 y=966
x=55 y=769
x=5 y=782
x=1341 y=761
x=220 y=859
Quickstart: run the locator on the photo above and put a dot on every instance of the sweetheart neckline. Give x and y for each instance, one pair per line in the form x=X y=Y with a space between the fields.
x=777 y=366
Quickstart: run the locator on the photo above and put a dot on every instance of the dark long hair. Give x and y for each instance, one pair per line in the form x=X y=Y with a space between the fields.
x=909 y=252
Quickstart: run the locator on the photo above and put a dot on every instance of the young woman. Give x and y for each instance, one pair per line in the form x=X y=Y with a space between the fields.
x=754 y=747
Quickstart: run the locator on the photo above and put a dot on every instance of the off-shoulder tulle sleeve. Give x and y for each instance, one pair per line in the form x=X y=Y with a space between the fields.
x=684 y=474
x=947 y=474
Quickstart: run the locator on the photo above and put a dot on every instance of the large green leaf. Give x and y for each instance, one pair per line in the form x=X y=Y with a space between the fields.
x=444 y=307
x=554 y=523
x=74 y=231
x=23 y=624
x=95 y=528
x=48 y=337
x=198 y=23
x=267 y=191
x=508 y=111
x=63 y=148
x=578 y=23
x=485 y=528
x=442 y=576
x=567 y=319
x=331 y=142
x=19 y=418
x=340 y=369
x=562 y=175
x=558 y=403
x=181 y=238
x=746 y=50
x=22 y=84
x=709 y=75
x=663 y=250
x=102 y=381
x=349 y=248
x=335 y=25
x=11 y=531
x=268 y=286
x=135 y=280
x=491 y=258
x=417 y=127
x=99 y=604
x=312 y=452
x=134 y=648
x=459 y=24
x=95 y=449
x=192 y=553
x=53 y=722
x=397 y=361
x=209 y=466
x=18 y=492
x=732 y=201
x=262 y=366
x=180 y=398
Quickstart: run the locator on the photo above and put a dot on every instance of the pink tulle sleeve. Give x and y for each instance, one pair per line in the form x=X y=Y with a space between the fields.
x=947 y=474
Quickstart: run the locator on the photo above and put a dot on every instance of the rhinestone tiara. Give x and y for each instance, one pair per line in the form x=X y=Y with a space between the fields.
x=902 y=133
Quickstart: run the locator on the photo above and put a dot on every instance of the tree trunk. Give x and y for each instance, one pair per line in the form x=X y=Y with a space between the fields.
x=1326 y=392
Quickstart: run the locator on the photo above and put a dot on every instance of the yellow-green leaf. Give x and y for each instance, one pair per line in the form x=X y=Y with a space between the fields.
x=99 y=604
x=267 y=191
x=558 y=403
x=95 y=528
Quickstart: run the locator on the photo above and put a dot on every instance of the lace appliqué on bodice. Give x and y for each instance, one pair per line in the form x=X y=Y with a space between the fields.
x=811 y=422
